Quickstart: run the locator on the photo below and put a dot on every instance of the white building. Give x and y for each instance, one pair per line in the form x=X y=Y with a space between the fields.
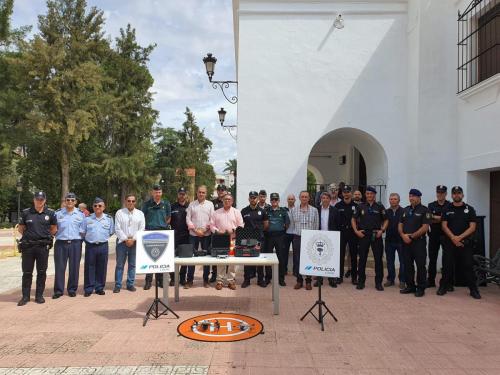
x=382 y=91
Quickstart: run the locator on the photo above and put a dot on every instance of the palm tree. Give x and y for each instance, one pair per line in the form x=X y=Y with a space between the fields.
x=231 y=167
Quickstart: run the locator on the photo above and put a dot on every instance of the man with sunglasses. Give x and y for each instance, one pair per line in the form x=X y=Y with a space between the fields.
x=157 y=214
x=68 y=247
x=255 y=218
x=369 y=222
x=37 y=225
x=278 y=223
x=436 y=235
x=128 y=221
x=459 y=226
x=96 y=230
x=413 y=227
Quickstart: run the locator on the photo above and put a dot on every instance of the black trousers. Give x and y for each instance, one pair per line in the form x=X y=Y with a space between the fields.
x=453 y=255
x=296 y=259
x=415 y=253
x=276 y=241
x=30 y=255
x=377 y=246
x=286 y=243
x=95 y=267
x=67 y=252
x=435 y=242
x=347 y=237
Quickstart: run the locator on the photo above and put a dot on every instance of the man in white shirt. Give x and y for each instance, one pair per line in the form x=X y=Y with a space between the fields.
x=198 y=217
x=128 y=221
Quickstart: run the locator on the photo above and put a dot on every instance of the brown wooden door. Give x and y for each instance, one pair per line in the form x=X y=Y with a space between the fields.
x=494 y=212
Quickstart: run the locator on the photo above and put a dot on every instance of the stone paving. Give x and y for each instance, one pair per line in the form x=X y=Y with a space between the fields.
x=377 y=333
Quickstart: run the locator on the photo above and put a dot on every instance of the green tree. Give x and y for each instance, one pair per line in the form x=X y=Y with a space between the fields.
x=178 y=150
x=231 y=167
x=65 y=79
x=129 y=125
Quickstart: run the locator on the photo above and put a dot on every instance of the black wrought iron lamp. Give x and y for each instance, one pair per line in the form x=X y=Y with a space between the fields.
x=222 y=117
x=210 y=62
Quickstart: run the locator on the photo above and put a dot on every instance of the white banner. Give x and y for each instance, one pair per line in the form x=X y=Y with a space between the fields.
x=155 y=251
x=320 y=253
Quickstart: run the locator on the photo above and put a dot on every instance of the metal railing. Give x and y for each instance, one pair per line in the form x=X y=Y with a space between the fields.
x=478 y=45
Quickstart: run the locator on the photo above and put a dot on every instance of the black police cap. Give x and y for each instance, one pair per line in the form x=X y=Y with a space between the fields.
x=39 y=195
x=441 y=189
x=456 y=189
x=156 y=187
x=347 y=189
x=181 y=190
x=275 y=196
x=253 y=194
x=221 y=187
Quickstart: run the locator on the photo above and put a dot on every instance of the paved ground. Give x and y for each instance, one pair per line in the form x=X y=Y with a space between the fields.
x=377 y=333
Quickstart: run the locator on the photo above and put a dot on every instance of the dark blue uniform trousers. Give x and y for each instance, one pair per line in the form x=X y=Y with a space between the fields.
x=96 y=264
x=65 y=251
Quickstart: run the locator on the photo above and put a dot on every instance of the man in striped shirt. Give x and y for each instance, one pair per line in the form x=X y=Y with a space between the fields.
x=302 y=217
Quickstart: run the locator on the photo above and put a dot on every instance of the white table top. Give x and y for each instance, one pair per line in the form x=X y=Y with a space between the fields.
x=262 y=260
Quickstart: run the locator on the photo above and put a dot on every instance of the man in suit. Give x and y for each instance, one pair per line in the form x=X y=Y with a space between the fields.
x=327 y=221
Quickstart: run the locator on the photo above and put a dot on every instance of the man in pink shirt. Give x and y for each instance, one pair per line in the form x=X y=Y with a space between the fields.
x=198 y=221
x=226 y=220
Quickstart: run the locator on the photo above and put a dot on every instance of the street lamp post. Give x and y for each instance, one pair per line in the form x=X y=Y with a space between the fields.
x=229 y=128
x=19 y=188
x=210 y=62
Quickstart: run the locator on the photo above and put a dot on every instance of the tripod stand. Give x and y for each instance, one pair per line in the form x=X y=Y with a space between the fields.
x=153 y=309
x=321 y=304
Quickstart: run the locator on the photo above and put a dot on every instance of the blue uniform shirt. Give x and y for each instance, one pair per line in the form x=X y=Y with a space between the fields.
x=97 y=229
x=69 y=224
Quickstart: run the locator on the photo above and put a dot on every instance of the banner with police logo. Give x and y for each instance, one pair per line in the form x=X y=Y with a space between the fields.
x=320 y=253
x=155 y=251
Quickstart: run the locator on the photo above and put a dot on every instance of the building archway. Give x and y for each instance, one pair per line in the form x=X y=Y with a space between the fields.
x=352 y=156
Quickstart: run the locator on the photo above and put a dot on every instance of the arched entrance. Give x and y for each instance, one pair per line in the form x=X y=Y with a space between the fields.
x=352 y=156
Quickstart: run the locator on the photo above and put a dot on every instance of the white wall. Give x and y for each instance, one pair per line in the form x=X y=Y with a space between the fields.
x=300 y=78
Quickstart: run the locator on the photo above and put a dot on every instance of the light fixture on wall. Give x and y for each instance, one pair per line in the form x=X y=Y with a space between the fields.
x=210 y=62
x=339 y=22
x=222 y=117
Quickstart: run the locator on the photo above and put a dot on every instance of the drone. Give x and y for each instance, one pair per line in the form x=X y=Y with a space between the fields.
x=205 y=325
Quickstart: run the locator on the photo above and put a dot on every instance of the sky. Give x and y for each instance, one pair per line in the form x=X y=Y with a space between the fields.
x=184 y=31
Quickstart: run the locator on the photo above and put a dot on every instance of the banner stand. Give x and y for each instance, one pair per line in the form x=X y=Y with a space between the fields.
x=153 y=310
x=321 y=304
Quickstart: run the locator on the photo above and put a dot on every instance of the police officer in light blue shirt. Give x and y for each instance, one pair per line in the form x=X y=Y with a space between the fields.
x=68 y=247
x=96 y=230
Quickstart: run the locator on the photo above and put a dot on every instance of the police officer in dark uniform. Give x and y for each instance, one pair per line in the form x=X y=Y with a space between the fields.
x=459 y=225
x=37 y=226
x=179 y=225
x=68 y=247
x=345 y=209
x=256 y=218
x=436 y=235
x=221 y=191
x=413 y=227
x=278 y=223
x=157 y=214
x=369 y=222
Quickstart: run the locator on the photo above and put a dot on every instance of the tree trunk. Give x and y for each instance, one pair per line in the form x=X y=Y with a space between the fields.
x=64 y=173
x=124 y=192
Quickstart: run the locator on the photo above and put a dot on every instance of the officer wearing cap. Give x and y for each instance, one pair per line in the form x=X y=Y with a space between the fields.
x=459 y=225
x=157 y=214
x=256 y=218
x=413 y=227
x=96 y=230
x=221 y=191
x=345 y=209
x=278 y=223
x=37 y=225
x=179 y=225
x=369 y=222
x=68 y=247
x=436 y=235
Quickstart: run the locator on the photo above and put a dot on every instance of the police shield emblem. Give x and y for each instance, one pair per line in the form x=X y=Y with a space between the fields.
x=155 y=245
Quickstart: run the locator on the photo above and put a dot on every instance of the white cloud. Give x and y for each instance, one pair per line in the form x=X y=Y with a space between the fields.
x=184 y=32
